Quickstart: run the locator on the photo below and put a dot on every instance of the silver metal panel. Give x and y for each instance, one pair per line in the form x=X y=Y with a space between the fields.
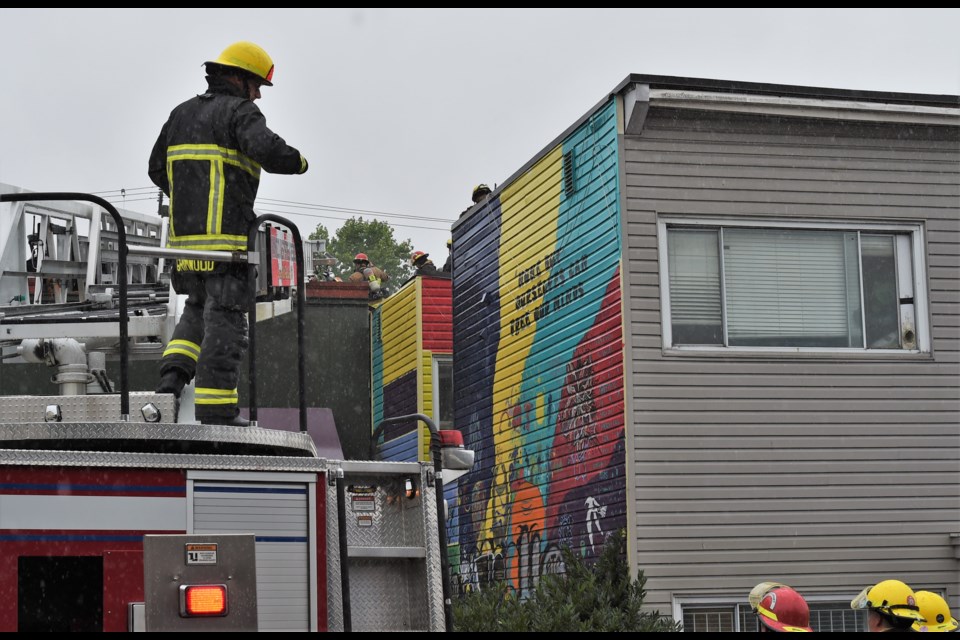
x=434 y=594
x=88 y=408
x=387 y=595
x=387 y=552
x=136 y=617
x=298 y=443
x=167 y=567
x=277 y=514
x=161 y=252
x=137 y=327
x=244 y=476
x=378 y=467
x=55 y=458
x=334 y=590
x=385 y=518
x=393 y=549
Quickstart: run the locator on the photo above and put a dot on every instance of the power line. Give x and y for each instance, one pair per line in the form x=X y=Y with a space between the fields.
x=299 y=213
x=323 y=207
x=282 y=212
x=325 y=217
x=143 y=191
x=122 y=190
x=141 y=195
x=116 y=199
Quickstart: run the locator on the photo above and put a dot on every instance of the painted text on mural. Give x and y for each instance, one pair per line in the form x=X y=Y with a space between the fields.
x=539 y=278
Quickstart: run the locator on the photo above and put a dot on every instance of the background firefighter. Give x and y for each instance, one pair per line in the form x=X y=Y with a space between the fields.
x=422 y=264
x=207 y=160
x=366 y=271
x=891 y=606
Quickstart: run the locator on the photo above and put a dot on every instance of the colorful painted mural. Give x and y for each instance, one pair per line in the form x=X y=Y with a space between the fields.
x=411 y=329
x=539 y=364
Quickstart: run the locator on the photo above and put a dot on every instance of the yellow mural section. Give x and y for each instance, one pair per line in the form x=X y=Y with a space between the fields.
x=528 y=234
x=398 y=330
x=425 y=385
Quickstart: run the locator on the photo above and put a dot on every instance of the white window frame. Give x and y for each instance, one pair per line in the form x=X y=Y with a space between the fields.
x=439 y=358
x=917 y=245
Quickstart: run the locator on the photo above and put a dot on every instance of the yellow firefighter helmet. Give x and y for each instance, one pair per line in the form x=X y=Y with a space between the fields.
x=935 y=609
x=249 y=57
x=891 y=597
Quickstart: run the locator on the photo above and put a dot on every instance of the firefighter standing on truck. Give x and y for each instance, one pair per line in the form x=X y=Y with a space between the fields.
x=207 y=160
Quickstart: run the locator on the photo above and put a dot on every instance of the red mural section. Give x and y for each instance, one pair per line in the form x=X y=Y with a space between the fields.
x=587 y=455
x=437 y=310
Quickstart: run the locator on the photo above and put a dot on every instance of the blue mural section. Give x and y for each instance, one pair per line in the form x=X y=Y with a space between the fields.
x=400 y=439
x=476 y=337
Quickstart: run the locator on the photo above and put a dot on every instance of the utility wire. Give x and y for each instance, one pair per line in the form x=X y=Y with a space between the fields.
x=328 y=217
x=283 y=212
x=119 y=191
x=135 y=195
x=323 y=207
x=117 y=200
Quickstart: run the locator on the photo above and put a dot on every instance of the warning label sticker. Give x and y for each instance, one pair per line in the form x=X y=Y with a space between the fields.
x=364 y=503
x=201 y=553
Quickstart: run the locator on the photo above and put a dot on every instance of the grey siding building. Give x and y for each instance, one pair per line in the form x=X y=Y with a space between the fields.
x=789 y=283
x=802 y=446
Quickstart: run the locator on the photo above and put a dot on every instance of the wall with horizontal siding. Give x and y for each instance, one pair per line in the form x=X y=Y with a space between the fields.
x=825 y=472
x=539 y=363
x=394 y=370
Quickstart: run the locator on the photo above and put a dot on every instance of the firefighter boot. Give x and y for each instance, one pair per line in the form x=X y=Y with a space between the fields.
x=235 y=421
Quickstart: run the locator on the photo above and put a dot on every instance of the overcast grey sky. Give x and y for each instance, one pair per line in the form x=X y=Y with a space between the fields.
x=404 y=111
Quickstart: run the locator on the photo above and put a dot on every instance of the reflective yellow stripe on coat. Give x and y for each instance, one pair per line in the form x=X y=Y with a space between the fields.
x=217 y=156
x=183 y=347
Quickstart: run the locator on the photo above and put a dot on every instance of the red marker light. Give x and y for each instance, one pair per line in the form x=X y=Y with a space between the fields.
x=203 y=600
x=450 y=438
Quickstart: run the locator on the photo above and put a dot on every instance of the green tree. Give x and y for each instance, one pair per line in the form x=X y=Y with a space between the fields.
x=586 y=597
x=374 y=238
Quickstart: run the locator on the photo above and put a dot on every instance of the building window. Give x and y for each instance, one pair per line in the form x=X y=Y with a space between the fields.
x=825 y=616
x=443 y=392
x=709 y=619
x=792 y=287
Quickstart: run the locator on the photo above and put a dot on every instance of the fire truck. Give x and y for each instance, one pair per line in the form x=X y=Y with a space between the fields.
x=119 y=513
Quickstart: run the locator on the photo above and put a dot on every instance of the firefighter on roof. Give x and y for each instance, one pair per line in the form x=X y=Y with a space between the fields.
x=422 y=264
x=448 y=265
x=365 y=271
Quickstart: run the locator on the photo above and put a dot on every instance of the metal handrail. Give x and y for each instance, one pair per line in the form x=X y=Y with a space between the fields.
x=301 y=315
